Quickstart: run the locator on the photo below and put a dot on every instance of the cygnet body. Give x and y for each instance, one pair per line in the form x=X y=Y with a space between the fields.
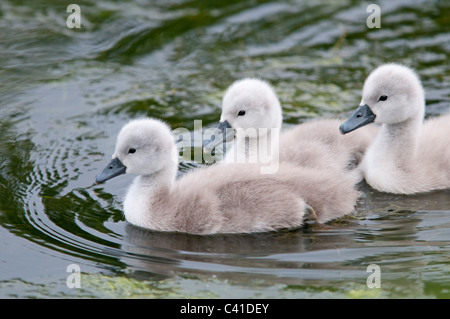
x=408 y=155
x=216 y=199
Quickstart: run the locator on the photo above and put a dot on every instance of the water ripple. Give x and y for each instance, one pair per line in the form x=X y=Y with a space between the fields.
x=66 y=93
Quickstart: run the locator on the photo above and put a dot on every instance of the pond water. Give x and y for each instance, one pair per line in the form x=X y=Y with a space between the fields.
x=65 y=93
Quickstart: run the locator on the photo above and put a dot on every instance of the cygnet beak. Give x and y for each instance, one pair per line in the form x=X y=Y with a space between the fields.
x=362 y=116
x=114 y=168
x=223 y=133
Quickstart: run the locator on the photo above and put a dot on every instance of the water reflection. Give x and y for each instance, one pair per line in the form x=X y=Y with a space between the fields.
x=314 y=253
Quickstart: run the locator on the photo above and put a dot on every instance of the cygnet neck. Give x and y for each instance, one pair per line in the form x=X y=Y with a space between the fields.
x=257 y=146
x=164 y=178
x=398 y=141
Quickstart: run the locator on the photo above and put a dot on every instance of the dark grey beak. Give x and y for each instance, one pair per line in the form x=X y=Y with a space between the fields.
x=114 y=168
x=362 y=116
x=223 y=133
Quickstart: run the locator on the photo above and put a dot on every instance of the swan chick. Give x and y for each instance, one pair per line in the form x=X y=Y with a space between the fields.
x=231 y=198
x=408 y=155
x=251 y=118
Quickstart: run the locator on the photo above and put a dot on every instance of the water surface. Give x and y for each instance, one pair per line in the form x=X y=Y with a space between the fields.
x=65 y=93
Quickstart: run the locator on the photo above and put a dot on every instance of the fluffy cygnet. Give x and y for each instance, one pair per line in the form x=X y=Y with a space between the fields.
x=251 y=118
x=223 y=198
x=408 y=155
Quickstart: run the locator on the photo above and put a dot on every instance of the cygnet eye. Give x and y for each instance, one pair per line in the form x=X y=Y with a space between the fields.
x=241 y=113
x=383 y=98
x=132 y=151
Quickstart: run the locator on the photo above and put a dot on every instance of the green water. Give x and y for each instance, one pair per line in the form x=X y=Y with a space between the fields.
x=65 y=93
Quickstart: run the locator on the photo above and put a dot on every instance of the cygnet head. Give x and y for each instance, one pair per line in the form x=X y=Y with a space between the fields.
x=392 y=94
x=251 y=103
x=143 y=147
x=248 y=103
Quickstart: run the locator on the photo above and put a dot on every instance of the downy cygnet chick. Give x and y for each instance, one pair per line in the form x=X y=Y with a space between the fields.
x=251 y=120
x=232 y=198
x=408 y=155
x=252 y=117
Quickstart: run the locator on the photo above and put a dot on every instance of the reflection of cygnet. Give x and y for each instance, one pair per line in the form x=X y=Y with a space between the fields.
x=407 y=156
x=251 y=106
x=223 y=198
